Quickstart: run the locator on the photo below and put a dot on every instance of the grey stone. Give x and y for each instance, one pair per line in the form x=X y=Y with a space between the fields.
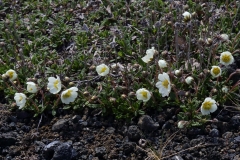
x=59 y=125
x=176 y=158
x=227 y=135
x=237 y=139
x=110 y=130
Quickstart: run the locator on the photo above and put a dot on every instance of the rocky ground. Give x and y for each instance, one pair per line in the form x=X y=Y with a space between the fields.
x=89 y=136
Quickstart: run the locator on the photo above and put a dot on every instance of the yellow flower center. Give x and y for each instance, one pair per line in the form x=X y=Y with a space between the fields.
x=207 y=105
x=10 y=74
x=103 y=69
x=144 y=94
x=67 y=94
x=20 y=98
x=226 y=58
x=216 y=70
x=55 y=84
x=165 y=83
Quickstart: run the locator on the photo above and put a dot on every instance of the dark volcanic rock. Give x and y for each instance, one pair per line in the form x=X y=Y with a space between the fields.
x=214 y=133
x=235 y=121
x=134 y=133
x=63 y=151
x=7 y=139
x=48 y=150
x=129 y=147
x=146 y=123
x=100 y=151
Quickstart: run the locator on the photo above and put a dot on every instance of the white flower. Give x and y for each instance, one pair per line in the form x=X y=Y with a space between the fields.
x=164 y=84
x=11 y=74
x=186 y=16
x=69 y=95
x=143 y=94
x=20 y=99
x=162 y=63
x=149 y=55
x=224 y=37
x=31 y=87
x=225 y=89
x=208 y=106
x=189 y=80
x=54 y=85
x=102 y=69
x=216 y=71
x=226 y=58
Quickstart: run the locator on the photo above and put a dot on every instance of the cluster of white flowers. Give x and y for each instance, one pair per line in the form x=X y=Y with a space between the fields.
x=164 y=84
x=54 y=86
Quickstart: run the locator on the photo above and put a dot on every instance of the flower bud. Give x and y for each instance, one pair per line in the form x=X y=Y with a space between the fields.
x=93 y=98
x=178 y=73
x=5 y=77
x=201 y=75
x=189 y=80
x=136 y=65
x=186 y=16
x=214 y=90
x=131 y=94
x=164 y=53
x=86 y=93
x=123 y=96
x=187 y=94
x=182 y=124
x=194 y=14
x=206 y=71
x=71 y=83
x=67 y=79
x=209 y=41
x=169 y=23
x=112 y=100
x=225 y=89
x=201 y=41
x=92 y=68
x=224 y=37
x=145 y=73
x=13 y=105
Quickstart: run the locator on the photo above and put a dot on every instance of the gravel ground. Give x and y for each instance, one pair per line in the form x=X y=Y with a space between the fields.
x=87 y=136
